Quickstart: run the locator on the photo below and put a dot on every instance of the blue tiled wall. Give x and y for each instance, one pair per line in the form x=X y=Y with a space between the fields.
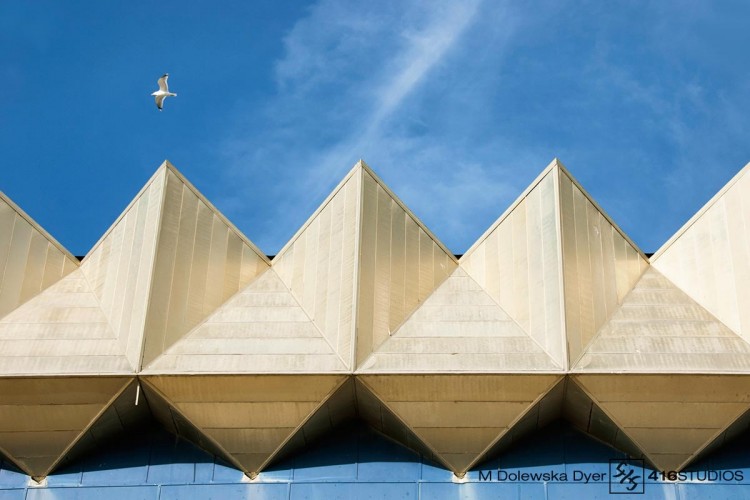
x=358 y=463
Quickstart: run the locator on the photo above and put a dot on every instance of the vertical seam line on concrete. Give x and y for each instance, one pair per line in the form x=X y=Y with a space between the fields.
x=150 y=275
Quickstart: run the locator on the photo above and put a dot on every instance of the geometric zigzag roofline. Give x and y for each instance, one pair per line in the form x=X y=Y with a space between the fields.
x=166 y=165
x=564 y=293
x=361 y=165
x=554 y=164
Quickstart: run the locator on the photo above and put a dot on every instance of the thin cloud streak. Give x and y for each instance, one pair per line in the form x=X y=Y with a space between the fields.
x=458 y=106
x=376 y=60
x=425 y=49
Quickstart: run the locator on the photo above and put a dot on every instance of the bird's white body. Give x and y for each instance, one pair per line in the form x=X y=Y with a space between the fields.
x=163 y=91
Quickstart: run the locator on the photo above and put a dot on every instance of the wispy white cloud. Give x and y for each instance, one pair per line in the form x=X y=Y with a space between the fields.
x=458 y=105
x=352 y=84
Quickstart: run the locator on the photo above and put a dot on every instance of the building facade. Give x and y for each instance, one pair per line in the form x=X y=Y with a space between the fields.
x=553 y=358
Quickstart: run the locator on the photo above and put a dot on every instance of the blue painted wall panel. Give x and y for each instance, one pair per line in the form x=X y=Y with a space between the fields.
x=471 y=491
x=434 y=473
x=11 y=477
x=204 y=472
x=336 y=461
x=383 y=460
x=713 y=492
x=223 y=473
x=12 y=494
x=164 y=469
x=592 y=491
x=72 y=476
x=348 y=491
x=226 y=491
x=101 y=493
x=115 y=472
x=283 y=472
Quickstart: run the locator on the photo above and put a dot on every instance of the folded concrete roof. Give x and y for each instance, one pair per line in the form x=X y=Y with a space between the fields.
x=553 y=312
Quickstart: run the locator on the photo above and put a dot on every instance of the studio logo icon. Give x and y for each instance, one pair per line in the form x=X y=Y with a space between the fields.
x=626 y=476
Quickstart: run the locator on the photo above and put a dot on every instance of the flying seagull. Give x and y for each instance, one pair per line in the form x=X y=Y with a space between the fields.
x=163 y=91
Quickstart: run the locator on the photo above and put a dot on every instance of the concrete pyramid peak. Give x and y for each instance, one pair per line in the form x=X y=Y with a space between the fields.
x=57 y=326
x=30 y=259
x=709 y=257
x=556 y=263
x=519 y=263
x=362 y=262
x=167 y=262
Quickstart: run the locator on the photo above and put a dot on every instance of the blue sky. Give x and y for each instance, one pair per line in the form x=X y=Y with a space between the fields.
x=456 y=105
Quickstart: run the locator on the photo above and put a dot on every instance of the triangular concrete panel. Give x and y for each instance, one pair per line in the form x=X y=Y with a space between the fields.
x=119 y=267
x=249 y=417
x=600 y=264
x=339 y=409
x=556 y=263
x=671 y=418
x=545 y=411
x=380 y=417
x=362 y=262
x=401 y=264
x=518 y=262
x=459 y=328
x=733 y=433
x=171 y=419
x=319 y=264
x=167 y=262
x=659 y=328
x=262 y=329
x=42 y=418
x=129 y=413
x=580 y=410
x=459 y=417
x=61 y=331
x=709 y=257
x=30 y=259
x=565 y=401
x=352 y=401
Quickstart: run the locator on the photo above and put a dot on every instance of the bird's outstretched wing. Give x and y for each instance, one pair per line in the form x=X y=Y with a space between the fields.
x=159 y=101
x=163 y=83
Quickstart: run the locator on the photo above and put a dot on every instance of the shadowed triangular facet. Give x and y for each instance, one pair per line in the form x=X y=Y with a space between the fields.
x=247 y=417
x=30 y=259
x=41 y=418
x=670 y=417
x=459 y=417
